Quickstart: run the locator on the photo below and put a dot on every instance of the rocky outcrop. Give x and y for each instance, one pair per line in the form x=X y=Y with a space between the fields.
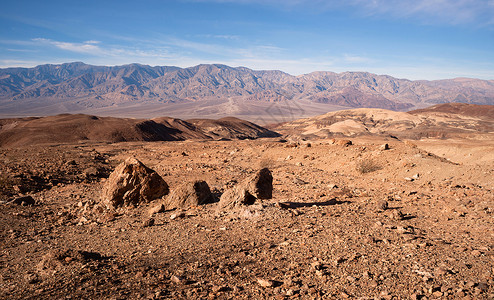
x=132 y=183
x=257 y=186
x=189 y=194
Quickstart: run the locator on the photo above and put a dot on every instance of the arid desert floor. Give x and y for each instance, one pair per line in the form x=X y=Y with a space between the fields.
x=413 y=220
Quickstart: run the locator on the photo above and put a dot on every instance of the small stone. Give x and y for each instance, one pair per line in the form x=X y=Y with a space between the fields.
x=31 y=278
x=264 y=282
x=148 y=222
x=373 y=283
x=316 y=265
x=437 y=294
x=25 y=201
x=484 y=287
x=397 y=215
x=156 y=209
x=177 y=215
x=384 y=147
x=219 y=288
x=408 y=179
x=343 y=142
x=91 y=172
x=381 y=205
x=439 y=271
x=177 y=279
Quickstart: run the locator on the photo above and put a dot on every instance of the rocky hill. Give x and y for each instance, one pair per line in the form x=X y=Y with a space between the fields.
x=451 y=120
x=77 y=87
x=68 y=128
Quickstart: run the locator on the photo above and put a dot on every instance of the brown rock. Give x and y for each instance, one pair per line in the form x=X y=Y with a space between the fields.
x=189 y=194
x=236 y=197
x=148 y=222
x=131 y=183
x=91 y=171
x=258 y=186
x=342 y=142
x=25 y=200
x=264 y=282
x=261 y=184
x=177 y=215
x=381 y=205
x=396 y=215
x=156 y=209
x=177 y=279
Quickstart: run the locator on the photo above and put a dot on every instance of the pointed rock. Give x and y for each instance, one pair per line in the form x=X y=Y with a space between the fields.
x=236 y=197
x=132 y=183
x=261 y=184
x=258 y=186
x=189 y=194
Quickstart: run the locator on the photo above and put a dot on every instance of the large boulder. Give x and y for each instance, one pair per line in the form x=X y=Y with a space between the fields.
x=260 y=185
x=132 y=183
x=189 y=194
x=257 y=186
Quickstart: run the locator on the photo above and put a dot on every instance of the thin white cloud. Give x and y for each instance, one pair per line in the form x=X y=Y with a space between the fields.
x=357 y=59
x=432 y=11
x=219 y=36
x=479 y=12
x=184 y=53
x=14 y=63
x=86 y=48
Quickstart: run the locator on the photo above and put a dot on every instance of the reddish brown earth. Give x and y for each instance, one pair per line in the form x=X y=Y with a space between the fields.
x=414 y=221
x=67 y=128
x=462 y=109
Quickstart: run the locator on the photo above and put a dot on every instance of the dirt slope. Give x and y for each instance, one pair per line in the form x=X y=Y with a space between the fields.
x=463 y=109
x=82 y=128
x=444 y=121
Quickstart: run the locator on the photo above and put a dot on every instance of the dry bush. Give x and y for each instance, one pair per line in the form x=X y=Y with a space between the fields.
x=368 y=166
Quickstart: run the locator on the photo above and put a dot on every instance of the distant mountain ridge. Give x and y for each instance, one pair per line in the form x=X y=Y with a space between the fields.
x=77 y=86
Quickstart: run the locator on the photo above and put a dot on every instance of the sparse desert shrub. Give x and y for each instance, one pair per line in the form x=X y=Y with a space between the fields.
x=367 y=166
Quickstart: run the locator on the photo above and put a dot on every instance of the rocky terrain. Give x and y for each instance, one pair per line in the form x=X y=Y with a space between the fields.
x=442 y=121
x=216 y=91
x=365 y=216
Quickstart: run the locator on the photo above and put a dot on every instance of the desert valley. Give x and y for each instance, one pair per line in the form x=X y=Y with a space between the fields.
x=363 y=203
x=247 y=149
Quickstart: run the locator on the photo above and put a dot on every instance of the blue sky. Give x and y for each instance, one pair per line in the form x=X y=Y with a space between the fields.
x=419 y=39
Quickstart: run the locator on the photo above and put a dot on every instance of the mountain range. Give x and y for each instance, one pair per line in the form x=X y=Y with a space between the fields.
x=217 y=90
